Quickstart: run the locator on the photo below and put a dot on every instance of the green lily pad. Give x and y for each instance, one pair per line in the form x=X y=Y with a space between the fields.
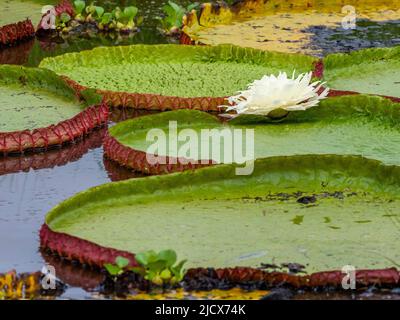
x=34 y=98
x=215 y=218
x=18 y=10
x=173 y=70
x=373 y=71
x=348 y=125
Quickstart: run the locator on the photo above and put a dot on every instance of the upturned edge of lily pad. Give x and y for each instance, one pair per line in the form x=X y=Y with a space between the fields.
x=65 y=131
x=74 y=248
x=148 y=101
x=52 y=158
x=137 y=160
x=14 y=33
x=88 y=253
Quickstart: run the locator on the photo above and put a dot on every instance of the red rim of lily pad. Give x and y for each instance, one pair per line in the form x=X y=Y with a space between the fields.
x=65 y=131
x=12 y=34
x=52 y=158
x=137 y=160
x=147 y=101
x=88 y=253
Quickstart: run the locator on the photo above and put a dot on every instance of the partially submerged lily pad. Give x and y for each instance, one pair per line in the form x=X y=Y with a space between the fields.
x=373 y=71
x=40 y=110
x=34 y=98
x=18 y=10
x=349 y=125
x=215 y=218
x=172 y=70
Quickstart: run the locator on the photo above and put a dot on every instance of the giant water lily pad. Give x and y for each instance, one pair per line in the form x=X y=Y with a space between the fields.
x=374 y=71
x=33 y=98
x=172 y=70
x=216 y=218
x=39 y=109
x=348 y=125
x=17 y=10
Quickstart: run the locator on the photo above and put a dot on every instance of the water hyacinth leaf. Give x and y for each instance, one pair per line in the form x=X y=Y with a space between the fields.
x=121 y=262
x=65 y=17
x=90 y=9
x=106 y=18
x=178 y=270
x=193 y=6
x=79 y=6
x=177 y=8
x=131 y=12
x=169 y=256
x=144 y=258
x=113 y=270
x=99 y=11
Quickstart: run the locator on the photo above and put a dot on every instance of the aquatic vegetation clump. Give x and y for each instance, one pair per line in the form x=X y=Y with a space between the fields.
x=81 y=17
x=172 y=21
x=160 y=269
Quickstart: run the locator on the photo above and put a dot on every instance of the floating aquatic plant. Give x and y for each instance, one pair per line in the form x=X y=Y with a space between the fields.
x=274 y=96
x=159 y=268
x=118 y=268
x=172 y=21
x=94 y=18
x=79 y=6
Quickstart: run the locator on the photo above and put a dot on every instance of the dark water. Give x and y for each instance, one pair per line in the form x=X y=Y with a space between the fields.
x=33 y=184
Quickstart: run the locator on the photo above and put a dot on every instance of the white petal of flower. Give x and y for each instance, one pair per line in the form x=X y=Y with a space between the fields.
x=278 y=92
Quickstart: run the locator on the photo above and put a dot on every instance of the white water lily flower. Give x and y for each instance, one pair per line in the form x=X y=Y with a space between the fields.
x=271 y=93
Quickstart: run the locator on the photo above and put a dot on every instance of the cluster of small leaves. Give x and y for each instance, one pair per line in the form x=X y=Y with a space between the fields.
x=159 y=268
x=124 y=20
x=172 y=20
x=118 y=268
